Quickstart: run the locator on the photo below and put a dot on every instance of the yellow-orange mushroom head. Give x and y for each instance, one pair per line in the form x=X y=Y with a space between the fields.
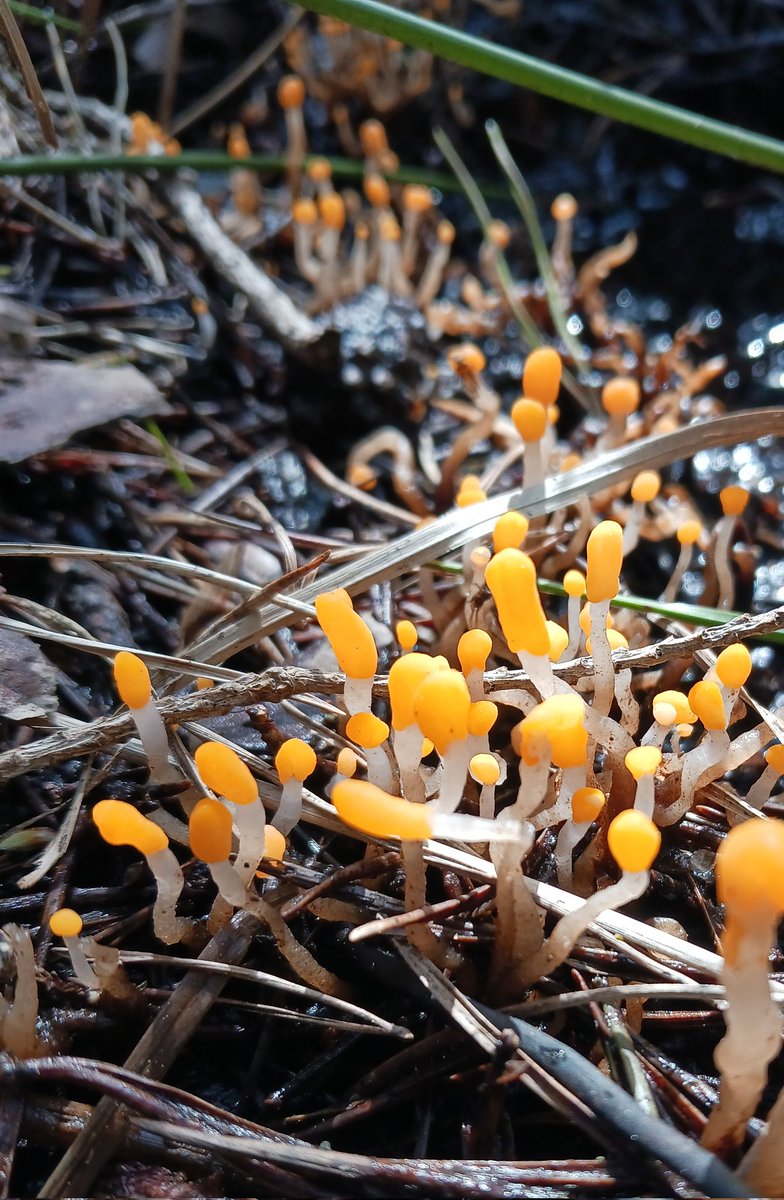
x=587 y=803
x=406 y=675
x=511 y=578
x=585 y=620
x=689 y=532
x=574 y=583
x=466 y=359
x=530 y=419
x=733 y=500
x=291 y=92
x=559 y=640
x=604 y=554
x=120 y=824
x=406 y=634
x=373 y=137
x=665 y=714
x=441 y=707
x=633 y=840
x=733 y=666
x=684 y=714
x=563 y=207
x=646 y=486
x=621 y=396
x=498 y=234
x=332 y=211
x=509 y=531
x=224 y=772
x=707 y=703
x=643 y=760
x=417 y=199
x=238 y=145
x=132 y=679
x=320 y=170
x=376 y=190
x=468 y=496
x=774 y=757
x=542 y=375
x=375 y=812
x=295 y=760
x=473 y=650
x=445 y=233
x=569 y=462
x=749 y=878
x=367 y=730
x=346 y=762
x=560 y=719
x=482 y=716
x=348 y=635
x=65 y=923
x=274 y=843
x=485 y=769
x=304 y=212
x=209 y=831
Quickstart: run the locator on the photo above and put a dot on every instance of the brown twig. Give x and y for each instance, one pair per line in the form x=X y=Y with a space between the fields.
x=10 y=32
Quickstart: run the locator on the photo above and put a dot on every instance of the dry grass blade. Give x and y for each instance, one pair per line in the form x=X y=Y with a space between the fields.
x=10 y=31
x=451 y=531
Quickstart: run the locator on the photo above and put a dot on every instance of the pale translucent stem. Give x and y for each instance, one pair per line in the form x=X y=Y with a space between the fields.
x=573 y=625
x=711 y=751
x=725 y=528
x=169 y=880
x=603 y=670
x=407 y=744
x=453 y=779
x=420 y=934
x=379 y=768
x=307 y=265
x=154 y=739
x=250 y=821
x=729 y=697
x=562 y=940
x=631 y=532
x=432 y=275
x=487 y=802
x=613 y=435
x=572 y=778
x=518 y=934
x=81 y=968
x=531 y=792
x=228 y=883
x=753 y=1037
x=763 y=1167
x=644 y=797
x=539 y=668
x=327 y=282
x=358 y=694
x=290 y=807
x=299 y=959
x=630 y=709
x=759 y=793
x=655 y=735
x=534 y=464
x=670 y=593
x=17 y=1033
x=569 y=836
x=607 y=732
x=459 y=827
x=358 y=267
x=411 y=222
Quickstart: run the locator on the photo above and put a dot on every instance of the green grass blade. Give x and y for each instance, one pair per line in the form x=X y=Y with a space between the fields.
x=43 y=16
x=557 y=82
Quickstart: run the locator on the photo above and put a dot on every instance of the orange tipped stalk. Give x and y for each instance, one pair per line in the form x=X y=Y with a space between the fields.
x=689 y=534
x=733 y=667
x=373 y=811
x=120 y=824
x=372 y=734
x=531 y=422
x=352 y=644
x=510 y=531
x=488 y=771
x=291 y=97
x=304 y=215
x=442 y=707
x=433 y=273
x=642 y=763
x=750 y=884
x=542 y=375
x=759 y=792
x=707 y=702
x=133 y=684
x=574 y=586
x=406 y=675
x=670 y=708
x=620 y=399
x=67 y=924
x=604 y=553
x=209 y=831
x=563 y=211
x=586 y=805
x=473 y=651
x=224 y=772
x=407 y=636
x=417 y=201
x=554 y=731
x=645 y=488
x=294 y=762
x=511 y=578
x=733 y=503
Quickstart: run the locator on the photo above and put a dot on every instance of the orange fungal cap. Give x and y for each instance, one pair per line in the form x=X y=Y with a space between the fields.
x=604 y=554
x=65 y=923
x=733 y=666
x=643 y=760
x=466 y=358
x=238 y=145
x=559 y=640
x=406 y=634
x=530 y=419
x=376 y=190
x=561 y=720
x=295 y=760
x=564 y=207
x=373 y=137
x=633 y=840
x=388 y=228
x=542 y=375
x=706 y=701
x=615 y=639
x=587 y=803
x=749 y=878
x=332 y=210
x=510 y=531
x=416 y=198
x=498 y=234
x=132 y=679
x=511 y=578
x=664 y=714
x=774 y=757
x=375 y=812
x=585 y=620
x=224 y=772
x=646 y=486
x=574 y=583
x=445 y=233
x=442 y=706
x=482 y=716
x=485 y=769
x=348 y=635
x=689 y=532
x=367 y=730
x=733 y=500
x=468 y=496
x=569 y=462
x=274 y=843
x=120 y=824
x=319 y=170
x=360 y=475
x=473 y=650
x=621 y=396
x=209 y=831
x=291 y=92
x=304 y=212
x=684 y=714
x=346 y=762
x=406 y=675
